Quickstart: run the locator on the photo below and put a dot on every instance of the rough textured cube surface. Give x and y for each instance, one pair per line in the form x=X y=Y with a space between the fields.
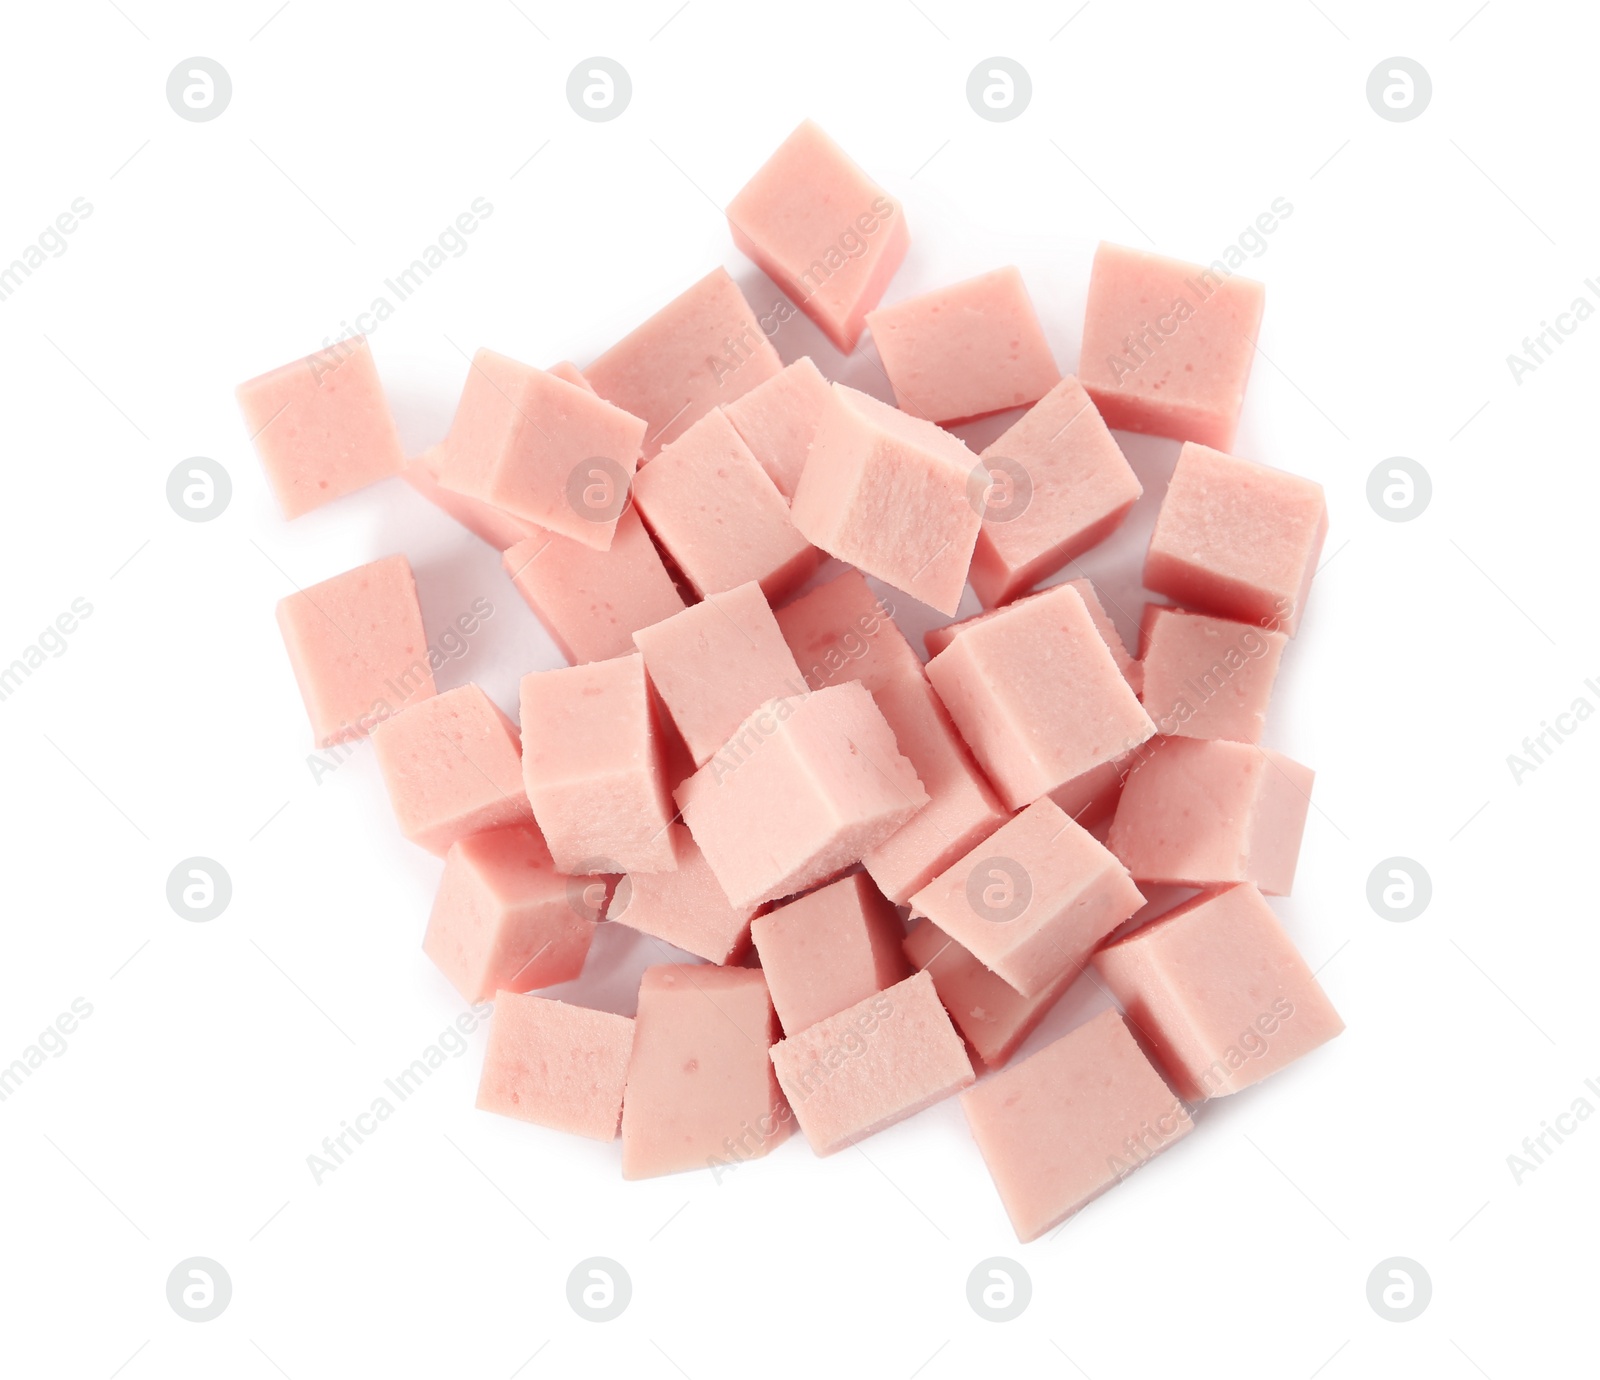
x=1033 y=899
x=704 y=348
x=591 y=757
x=1059 y=485
x=1167 y=346
x=993 y=1016
x=453 y=768
x=1071 y=1121
x=1220 y=992
x=829 y=949
x=842 y=631
x=700 y=1088
x=1237 y=539
x=965 y=350
x=556 y=1065
x=1037 y=695
x=892 y=494
x=592 y=602
x=357 y=648
x=1208 y=677
x=1196 y=812
x=805 y=787
x=823 y=231
x=503 y=918
x=778 y=418
x=485 y=521
x=685 y=907
x=322 y=426
x=717 y=662
x=541 y=449
x=718 y=516
x=871 y=1065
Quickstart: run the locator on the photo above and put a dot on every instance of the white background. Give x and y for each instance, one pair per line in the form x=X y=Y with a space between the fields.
x=218 y=1056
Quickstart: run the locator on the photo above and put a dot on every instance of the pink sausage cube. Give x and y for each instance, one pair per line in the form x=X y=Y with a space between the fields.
x=937 y=639
x=452 y=764
x=965 y=350
x=871 y=1065
x=1237 y=539
x=890 y=493
x=541 y=449
x=1201 y=812
x=829 y=949
x=1208 y=677
x=842 y=631
x=1071 y=1121
x=804 y=789
x=717 y=662
x=778 y=418
x=485 y=521
x=1037 y=695
x=988 y=1010
x=1220 y=992
x=717 y=515
x=592 y=602
x=591 y=758
x=700 y=1090
x=685 y=907
x=704 y=348
x=823 y=231
x=556 y=1065
x=503 y=919
x=1031 y=901
x=322 y=426
x=357 y=648
x=1060 y=484
x=1167 y=346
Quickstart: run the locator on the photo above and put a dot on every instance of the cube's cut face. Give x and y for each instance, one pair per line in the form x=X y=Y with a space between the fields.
x=719 y=517
x=685 y=907
x=542 y=450
x=806 y=787
x=452 y=764
x=1208 y=677
x=1220 y=992
x=891 y=494
x=828 y=950
x=556 y=1065
x=591 y=761
x=828 y=235
x=322 y=426
x=703 y=349
x=1038 y=695
x=504 y=918
x=592 y=602
x=1167 y=346
x=1067 y=1123
x=357 y=648
x=872 y=1065
x=1059 y=485
x=1033 y=899
x=844 y=631
x=1237 y=539
x=966 y=350
x=778 y=418
x=700 y=1091
x=717 y=662
x=1206 y=813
